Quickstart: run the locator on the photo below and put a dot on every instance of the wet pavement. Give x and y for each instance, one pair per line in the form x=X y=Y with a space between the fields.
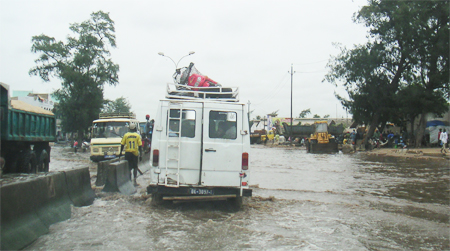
x=300 y=202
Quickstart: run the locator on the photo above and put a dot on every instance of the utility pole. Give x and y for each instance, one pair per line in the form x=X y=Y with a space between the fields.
x=346 y=111
x=248 y=113
x=292 y=76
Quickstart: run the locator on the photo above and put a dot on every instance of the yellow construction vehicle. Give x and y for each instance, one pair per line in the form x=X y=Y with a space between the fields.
x=269 y=136
x=321 y=141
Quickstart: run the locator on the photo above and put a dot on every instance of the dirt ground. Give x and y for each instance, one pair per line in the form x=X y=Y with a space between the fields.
x=417 y=153
x=426 y=153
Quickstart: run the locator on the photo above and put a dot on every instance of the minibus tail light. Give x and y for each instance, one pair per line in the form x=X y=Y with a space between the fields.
x=156 y=157
x=244 y=161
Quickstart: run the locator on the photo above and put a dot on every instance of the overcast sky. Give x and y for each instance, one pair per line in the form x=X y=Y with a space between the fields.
x=248 y=44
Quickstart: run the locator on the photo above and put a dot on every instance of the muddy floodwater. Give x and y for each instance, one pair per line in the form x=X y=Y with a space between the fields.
x=300 y=202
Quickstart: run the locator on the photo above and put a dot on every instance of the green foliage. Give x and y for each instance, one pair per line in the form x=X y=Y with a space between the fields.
x=367 y=73
x=316 y=116
x=414 y=100
x=402 y=71
x=83 y=66
x=119 y=105
x=274 y=113
x=304 y=113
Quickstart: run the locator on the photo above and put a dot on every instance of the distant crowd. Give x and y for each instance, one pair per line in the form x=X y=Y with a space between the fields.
x=390 y=139
x=387 y=139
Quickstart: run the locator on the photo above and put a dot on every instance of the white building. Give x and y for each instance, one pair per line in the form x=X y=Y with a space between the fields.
x=37 y=100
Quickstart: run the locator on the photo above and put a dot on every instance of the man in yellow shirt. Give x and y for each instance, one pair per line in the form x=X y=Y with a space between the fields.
x=133 y=147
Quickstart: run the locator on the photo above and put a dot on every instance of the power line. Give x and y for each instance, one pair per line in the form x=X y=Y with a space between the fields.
x=312 y=62
x=310 y=71
x=274 y=91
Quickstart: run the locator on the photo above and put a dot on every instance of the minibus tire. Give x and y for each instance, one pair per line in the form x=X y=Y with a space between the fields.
x=156 y=199
x=235 y=203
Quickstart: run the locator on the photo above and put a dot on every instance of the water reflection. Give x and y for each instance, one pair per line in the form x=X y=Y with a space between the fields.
x=413 y=180
x=428 y=192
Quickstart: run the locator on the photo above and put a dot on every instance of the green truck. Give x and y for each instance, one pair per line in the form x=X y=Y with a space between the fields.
x=26 y=133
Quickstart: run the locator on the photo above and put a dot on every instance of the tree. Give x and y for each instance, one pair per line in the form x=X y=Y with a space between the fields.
x=431 y=69
x=83 y=66
x=273 y=114
x=304 y=113
x=415 y=100
x=374 y=73
x=119 y=105
x=326 y=116
x=370 y=86
x=316 y=116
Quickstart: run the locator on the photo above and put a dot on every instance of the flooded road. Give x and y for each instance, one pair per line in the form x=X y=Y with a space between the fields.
x=300 y=202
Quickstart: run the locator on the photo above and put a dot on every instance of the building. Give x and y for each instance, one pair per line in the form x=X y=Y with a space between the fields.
x=40 y=100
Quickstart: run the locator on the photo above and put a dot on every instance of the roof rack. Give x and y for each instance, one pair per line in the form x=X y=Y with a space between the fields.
x=217 y=93
x=108 y=115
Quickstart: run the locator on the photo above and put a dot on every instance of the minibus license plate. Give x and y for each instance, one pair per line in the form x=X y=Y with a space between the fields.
x=110 y=156
x=201 y=191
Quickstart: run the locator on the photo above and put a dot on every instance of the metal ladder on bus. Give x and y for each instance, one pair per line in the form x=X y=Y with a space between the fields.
x=173 y=142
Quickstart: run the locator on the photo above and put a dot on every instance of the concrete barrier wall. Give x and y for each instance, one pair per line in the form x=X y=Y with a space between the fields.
x=79 y=187
x=54 y=205
x=102 y=172
x=103 y=165
x=20 y=223
x=118 y=178
x=29 y=207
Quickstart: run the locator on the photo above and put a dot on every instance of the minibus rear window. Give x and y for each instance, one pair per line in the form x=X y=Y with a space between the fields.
x=222 y=125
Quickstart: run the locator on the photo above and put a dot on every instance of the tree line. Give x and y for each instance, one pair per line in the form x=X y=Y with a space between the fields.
x=402 y=72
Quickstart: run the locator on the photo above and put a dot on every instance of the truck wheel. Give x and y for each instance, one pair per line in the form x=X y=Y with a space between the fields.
x=27 y=162
x=11 y=163
x=43 y=162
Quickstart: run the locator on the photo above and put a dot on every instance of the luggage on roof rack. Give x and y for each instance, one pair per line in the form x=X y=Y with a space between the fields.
x=218 y=93
x=189 y=83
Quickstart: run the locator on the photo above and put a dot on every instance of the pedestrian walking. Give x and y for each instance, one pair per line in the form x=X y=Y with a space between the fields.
x=444 y=138
x=133 y=149
x=439 y=137
x=75 y=145
x=353 y=136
